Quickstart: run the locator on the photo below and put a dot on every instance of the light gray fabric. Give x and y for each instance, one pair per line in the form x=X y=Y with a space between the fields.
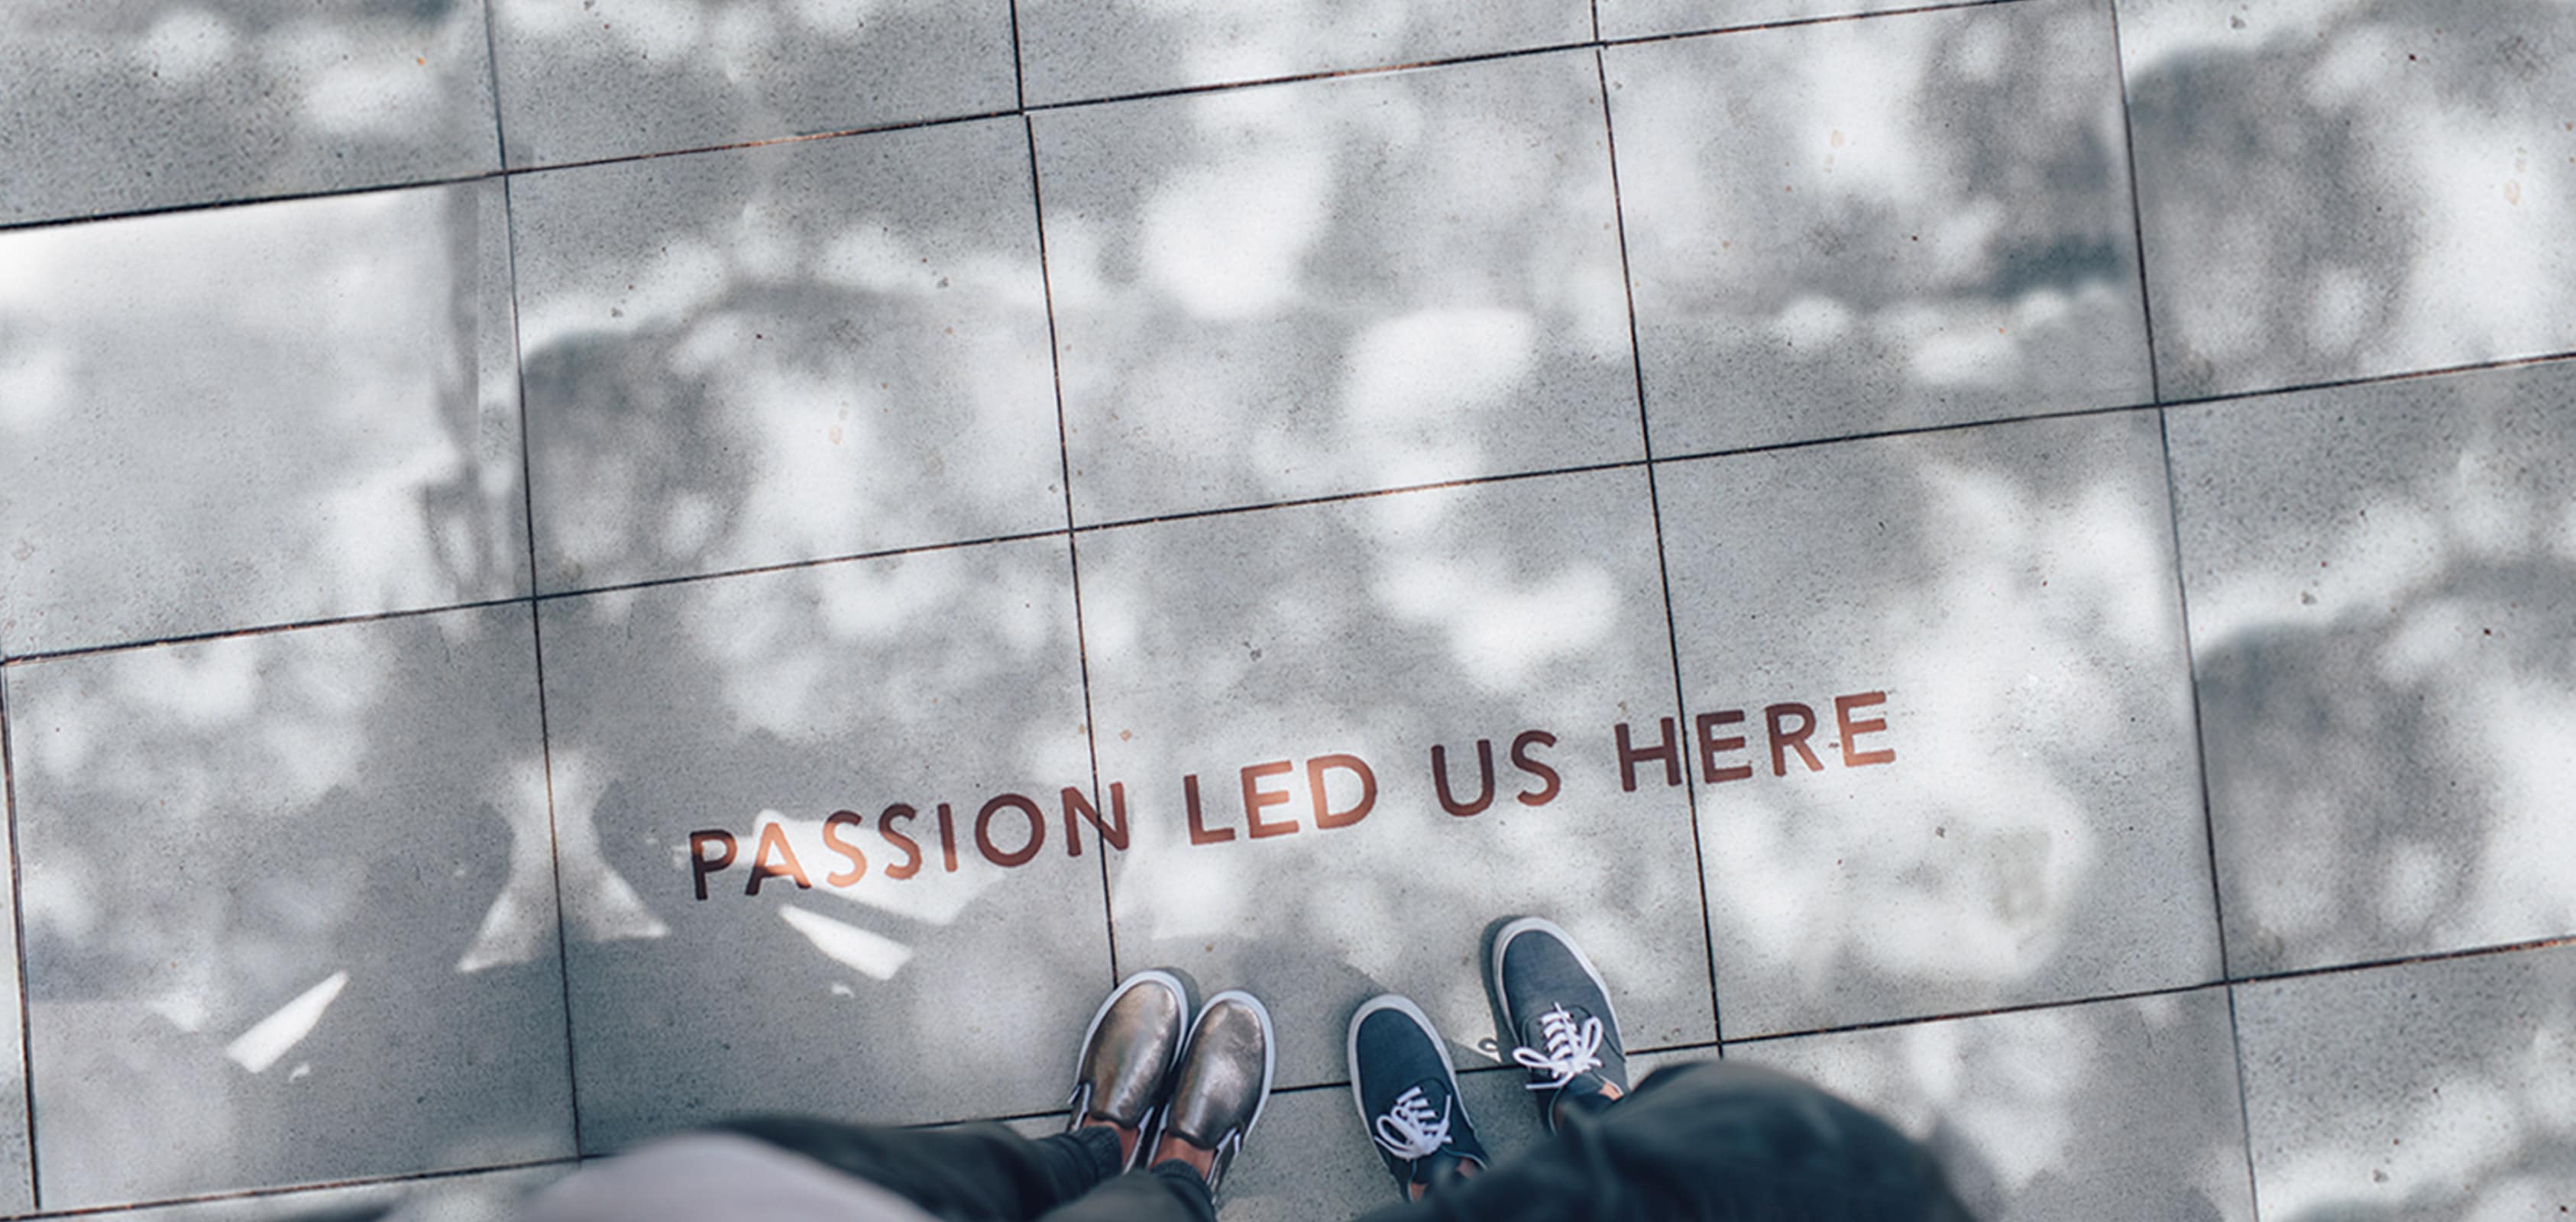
x=700 y=1177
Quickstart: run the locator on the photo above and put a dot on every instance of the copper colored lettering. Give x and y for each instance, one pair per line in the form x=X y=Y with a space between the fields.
x=1200 y=832
x=849 y=852
x=1784 y=741
x=1114 y=832
x=1484 y=781
x=911 y=864
x=1710 y=744
x=1327 y=818
x=1549 y=782
x=984 y=830
x=1256 y=799
x=947 y=838
x=774 y=836
x=1843 y=706
x=702 y=865
x=1665 y=749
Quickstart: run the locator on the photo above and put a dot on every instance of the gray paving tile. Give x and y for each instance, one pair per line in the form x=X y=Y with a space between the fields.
x=1311 y=1156
x=2378 y=582
x=2432 y=1090
x=258 y=415
x=289 y=905
x=778 y=354
x=487 y=1197
x=1337 y=285
x=1243 y=649
x=2008 y=595
x=2121 y=1109
x=17 y=1174
x=615 y=78
x=122 y=105
x=939 y=681
x=1859 y=226
x=1079 y=49
x=1646 y=18
x=2332 y=191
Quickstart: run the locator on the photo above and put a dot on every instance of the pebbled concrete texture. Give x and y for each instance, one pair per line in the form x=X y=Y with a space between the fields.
x=2377 y=576
x=2332 y=191
x=2422 y=1090
x=129 y=105
x=2012 y=557
x=1939 y=725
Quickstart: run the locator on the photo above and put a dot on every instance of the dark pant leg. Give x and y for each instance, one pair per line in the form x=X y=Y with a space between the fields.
x=1171 y=1192
x=1718 y=1140
x=974 y=1173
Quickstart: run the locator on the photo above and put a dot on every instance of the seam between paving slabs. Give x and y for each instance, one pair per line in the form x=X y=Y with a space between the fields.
x=1123 y=523
x=298 y=1190
x=507 y=170
x=536 y=629
x=2200 y=756
x=2137 y=212
x=1072 y=542
x=537 y=658
x=18 y=932
x=1663 y=562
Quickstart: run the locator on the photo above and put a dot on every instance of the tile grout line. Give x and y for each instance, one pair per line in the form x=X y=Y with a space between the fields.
x=1072 y=543
x=2230 y=983
x=2190 y=656
x=2244 y=1105
x=1022 y=109
x=1663 y=562
x=2200 y=760
x=1471 y=481
x=2191 y=665
x=18 y=935
x=500 y=147
x=1019 y=69
x=2137 y=211
x=537 y=637
x=288 y=1191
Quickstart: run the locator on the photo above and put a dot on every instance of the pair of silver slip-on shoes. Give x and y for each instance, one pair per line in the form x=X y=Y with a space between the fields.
x=1204 y=1082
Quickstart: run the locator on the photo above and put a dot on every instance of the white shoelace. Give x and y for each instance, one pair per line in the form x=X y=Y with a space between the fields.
x=1410 y=1130
x=1571 y=1048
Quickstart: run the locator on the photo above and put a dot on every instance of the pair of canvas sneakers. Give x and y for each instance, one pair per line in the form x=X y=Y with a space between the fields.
x=1206 y=1084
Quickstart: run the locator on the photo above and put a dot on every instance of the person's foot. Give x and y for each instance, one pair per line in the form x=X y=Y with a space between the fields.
x=1556 y=1012
x=1128 y=1055
x=1407 y=1090
x=1223 y=1082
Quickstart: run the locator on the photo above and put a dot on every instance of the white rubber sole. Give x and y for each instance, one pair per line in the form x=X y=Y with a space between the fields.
x=1351 y=1053
x=1494 y=972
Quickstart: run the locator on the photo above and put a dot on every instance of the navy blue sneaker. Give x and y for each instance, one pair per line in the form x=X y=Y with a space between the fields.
x=1407 y=1091
x=1556 y=1016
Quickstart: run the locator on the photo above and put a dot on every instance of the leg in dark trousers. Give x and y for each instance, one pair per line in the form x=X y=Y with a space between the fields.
x=1717 y=1140
x=987 y=1173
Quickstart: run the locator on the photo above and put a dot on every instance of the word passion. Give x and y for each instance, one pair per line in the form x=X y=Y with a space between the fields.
x=1010 y=829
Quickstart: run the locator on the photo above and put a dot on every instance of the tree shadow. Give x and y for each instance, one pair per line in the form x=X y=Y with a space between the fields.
x=125 y=105
x=2372 y=192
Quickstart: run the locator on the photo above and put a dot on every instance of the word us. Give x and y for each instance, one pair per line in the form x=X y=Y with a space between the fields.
x=1010 y=829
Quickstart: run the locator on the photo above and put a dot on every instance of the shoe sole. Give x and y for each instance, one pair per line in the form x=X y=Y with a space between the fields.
x=1144 y=1124
x=1269 y=1046
x=1502 y=1001
x=1351 y=1052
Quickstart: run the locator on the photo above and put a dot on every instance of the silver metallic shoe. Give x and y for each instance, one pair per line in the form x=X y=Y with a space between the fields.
x=1224 y=1079
x=1129 y=1053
